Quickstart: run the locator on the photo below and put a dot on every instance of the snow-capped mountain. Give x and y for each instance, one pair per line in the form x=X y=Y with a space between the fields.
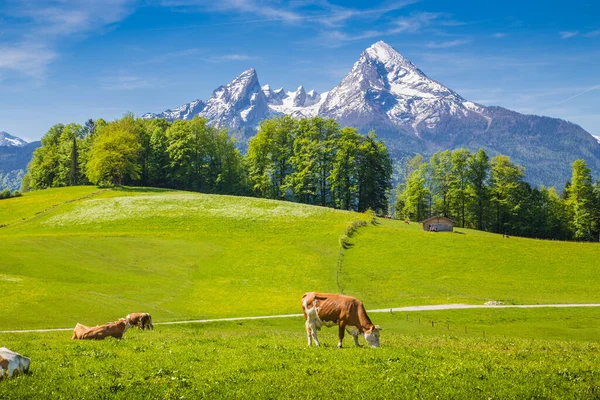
x=385 y=90
x=239 y=104
x=597 y=138
x=410 y=111
x=7 y=139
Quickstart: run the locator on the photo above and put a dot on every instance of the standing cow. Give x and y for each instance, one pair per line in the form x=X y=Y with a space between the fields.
x=336 y=309
x=12 y=364
x=142 y=321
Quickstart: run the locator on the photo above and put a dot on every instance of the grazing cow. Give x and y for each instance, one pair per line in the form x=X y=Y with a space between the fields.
x=336 y=309
x=12 y=364
x=115 y=329
x=142 y=321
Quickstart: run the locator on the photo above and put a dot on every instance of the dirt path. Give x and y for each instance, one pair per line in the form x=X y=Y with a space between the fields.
x=381 y=310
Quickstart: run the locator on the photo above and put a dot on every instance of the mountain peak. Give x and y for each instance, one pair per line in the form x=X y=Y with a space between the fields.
x=8 y=140
x=385 y=53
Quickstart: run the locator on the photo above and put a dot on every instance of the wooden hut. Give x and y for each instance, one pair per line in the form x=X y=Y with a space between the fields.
x=438 y=224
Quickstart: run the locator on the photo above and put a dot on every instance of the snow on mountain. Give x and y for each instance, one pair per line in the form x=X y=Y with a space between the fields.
x=597 y=138
x=186 y=111
x=410 y=111
x=385 y=88
x=9 y=140
x=298 y=104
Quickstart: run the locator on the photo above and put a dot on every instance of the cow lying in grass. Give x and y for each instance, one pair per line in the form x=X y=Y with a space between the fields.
x=115 y=329
x=336 y=309
x=142 y=321
x=12 y=364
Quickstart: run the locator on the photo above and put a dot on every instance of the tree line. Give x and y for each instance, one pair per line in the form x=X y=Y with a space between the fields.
x=492 y=195
x=310 y=161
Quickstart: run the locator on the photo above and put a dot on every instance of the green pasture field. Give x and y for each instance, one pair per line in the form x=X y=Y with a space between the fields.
x=270 y=359
x=91 y=255
x=177 y=255
x=397 y=262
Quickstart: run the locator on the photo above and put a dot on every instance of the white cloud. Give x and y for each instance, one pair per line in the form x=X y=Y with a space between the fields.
x=499 y=35
x=26 y=58
x=567 y=34
x=34 y=30
x=231 y=57
x=126 y=81
x=447 y=44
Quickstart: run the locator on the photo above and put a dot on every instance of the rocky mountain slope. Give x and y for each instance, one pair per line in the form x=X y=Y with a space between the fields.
x=9 y=140
x=15 y=154
x=411 y=112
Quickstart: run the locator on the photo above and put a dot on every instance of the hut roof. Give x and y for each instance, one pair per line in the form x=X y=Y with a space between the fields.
x=437 y=217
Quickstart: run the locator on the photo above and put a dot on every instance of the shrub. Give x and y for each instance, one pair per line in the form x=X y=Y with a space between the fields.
x=16 y=193
x=5 y=194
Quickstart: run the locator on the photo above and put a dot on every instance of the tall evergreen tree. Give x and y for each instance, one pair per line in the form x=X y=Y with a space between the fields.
x=506 y=191
x=477 y=177
x=581 y=201
x=458 y=191
x=374 y=175
x=344 y=178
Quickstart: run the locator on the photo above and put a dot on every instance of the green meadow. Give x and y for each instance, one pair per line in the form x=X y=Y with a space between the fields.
x=270 y=359
x=91 y=255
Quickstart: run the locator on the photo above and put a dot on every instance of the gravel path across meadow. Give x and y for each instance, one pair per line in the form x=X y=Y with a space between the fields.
x=381 y=310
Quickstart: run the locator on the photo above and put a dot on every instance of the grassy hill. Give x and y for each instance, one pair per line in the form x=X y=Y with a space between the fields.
x=89 y=255
x=397 y=262
x=92 y=255
x=174 y=254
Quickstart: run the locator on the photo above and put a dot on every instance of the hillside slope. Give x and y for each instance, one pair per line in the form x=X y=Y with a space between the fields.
x=86 y=255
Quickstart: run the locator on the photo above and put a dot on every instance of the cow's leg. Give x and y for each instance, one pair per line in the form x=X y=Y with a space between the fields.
x=353 y=331
x=308 y=333
x=341 y=331
x=313 y=328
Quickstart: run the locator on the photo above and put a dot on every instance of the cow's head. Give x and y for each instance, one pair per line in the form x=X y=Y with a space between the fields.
x=372 y=336
x=125 y=321
x=25 y=361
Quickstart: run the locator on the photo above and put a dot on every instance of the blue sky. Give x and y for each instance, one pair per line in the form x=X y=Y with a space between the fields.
x=67 y=61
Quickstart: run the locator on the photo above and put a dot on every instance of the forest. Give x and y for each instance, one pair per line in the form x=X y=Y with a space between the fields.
x=314 y=161
x=492 y=194
x=310 y=161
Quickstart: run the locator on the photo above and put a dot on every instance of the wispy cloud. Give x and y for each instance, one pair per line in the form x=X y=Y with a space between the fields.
x=568 y=34
x=339 y=20
x=447 y=44
x=293 y=12
x=34 y=30
x=231 y=57
x=414 y=23
x=499 y=35
x=126 y=81
x=170 y=56
x=592 y=33
x=264 y=9
x=26 y=58
x=578 y=94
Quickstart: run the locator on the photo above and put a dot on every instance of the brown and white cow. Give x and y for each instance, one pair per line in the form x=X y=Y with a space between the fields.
x=12 y=364
x=337 y=309
x=142 y=321
x=115 y=329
